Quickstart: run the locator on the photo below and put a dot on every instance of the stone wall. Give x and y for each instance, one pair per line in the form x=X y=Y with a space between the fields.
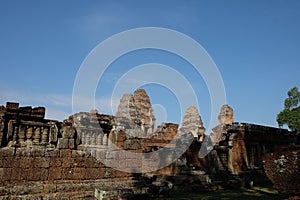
x=239 y=147
x=283 y=169
x=39 y=171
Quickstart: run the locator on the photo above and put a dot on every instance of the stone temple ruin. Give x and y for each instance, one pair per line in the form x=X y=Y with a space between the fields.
x=98 y=156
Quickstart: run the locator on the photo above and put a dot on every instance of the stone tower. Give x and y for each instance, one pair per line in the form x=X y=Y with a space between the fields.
x=192 y=123
x=137 y=109
x=226 y=115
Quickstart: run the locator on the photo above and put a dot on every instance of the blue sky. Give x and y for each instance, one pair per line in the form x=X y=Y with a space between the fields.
x=255 y=45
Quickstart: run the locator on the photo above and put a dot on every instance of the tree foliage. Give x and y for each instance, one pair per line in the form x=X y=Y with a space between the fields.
x=290 y=115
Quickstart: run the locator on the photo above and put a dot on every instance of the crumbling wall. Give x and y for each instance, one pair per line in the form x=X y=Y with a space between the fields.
x=283 y=169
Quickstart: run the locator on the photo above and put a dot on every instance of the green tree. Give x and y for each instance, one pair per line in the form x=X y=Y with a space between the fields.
x=291 y=112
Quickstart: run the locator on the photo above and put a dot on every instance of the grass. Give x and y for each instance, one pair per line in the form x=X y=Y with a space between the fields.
x=242 y=193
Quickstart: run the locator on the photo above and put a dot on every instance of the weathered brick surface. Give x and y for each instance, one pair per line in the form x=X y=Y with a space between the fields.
x=7 y=152
x=25 y=162
x=94 y=173
x=28 y=165
x=283 y=169
x=38 y=174
x=36 y=152
x=67 y=162
x=56 y=162
x=6 y=174
x=55 y=173
x=52 y=153
x=10 y=162
x=65 y=153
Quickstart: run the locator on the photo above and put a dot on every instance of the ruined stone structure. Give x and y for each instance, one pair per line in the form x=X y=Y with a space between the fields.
x=240 y=146
x=26 y=126
x=225 y=118
x=76 y=158
x=192 y=123
x=282 y=168
x=61 y=160
x=136 y=112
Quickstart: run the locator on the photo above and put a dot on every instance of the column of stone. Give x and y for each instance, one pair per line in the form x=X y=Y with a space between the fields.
x=87 y=138
x=45 y=135
x=93 y=139
x=37 y=135
x=15 y=134
x=96 y=138
x=1 y=130
x=29 y=132
x=110 y=139
x=100 y=139
x=21 y=134
x=83 y=136
x=105 y=139
x=79 y=135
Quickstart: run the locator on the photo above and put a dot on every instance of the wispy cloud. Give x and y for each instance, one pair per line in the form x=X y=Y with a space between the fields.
x=58 y=106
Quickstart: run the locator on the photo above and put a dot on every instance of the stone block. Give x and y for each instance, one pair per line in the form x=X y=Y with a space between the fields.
x=71 y=143
x=34 y=189
x=38 y=174
x=68 y=132
x=25 y=111
x=92 y=173
x=63 y=143
x=91 y=162
x=1 y=162
x=67 y=162
x=65 y=153
x=10 y=162
x=18 y=174
x=80 y=154
x=25 y=162
x=23 y=152
x=120 y=174
x=56 y=162
x=23 y=174
x=36 y=152
x=38 y=112
x=41 y=162
x=6 y=174
x=78 y=173
x=7 y=152
x=49 y=188
x=1 y=173
x=12 y=105
x=52 y=153
x=67 y=174
x=79 y=162
x=55 y=173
